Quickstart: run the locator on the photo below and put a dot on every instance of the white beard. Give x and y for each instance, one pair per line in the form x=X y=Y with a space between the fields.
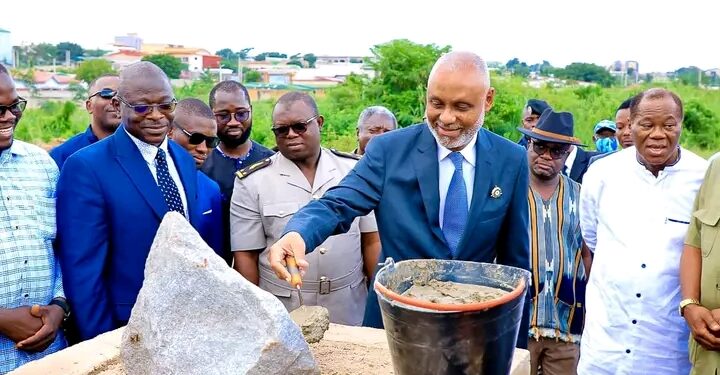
x=460 y=141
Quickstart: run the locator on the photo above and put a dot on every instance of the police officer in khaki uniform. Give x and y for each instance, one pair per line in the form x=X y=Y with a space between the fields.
x=699 y=271
x=268 y=193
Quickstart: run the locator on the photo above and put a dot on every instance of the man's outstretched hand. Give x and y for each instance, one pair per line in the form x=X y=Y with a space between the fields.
x=289 y=244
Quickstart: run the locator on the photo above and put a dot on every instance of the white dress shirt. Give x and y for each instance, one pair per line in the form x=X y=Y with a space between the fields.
x=635 y=224
x=570 y=160
x=447 y=169
x=149 y=152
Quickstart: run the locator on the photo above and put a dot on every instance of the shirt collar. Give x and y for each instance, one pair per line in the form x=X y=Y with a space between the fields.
x=468 y=152
x=571 y=158
x=17 y=148
x=90 y=135
x=147 y=150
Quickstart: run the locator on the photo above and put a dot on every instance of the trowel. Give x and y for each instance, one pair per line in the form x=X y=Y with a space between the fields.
x=295 y=278
x=312 y=320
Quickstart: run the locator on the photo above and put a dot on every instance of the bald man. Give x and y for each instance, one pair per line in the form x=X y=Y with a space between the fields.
x=111 y=197
x=460 y=190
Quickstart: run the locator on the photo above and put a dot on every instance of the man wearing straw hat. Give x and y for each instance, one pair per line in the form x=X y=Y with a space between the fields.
x=558 y=273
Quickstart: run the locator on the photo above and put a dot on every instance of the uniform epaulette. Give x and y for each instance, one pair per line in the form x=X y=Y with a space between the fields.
x=345 y=154
x=253 y=168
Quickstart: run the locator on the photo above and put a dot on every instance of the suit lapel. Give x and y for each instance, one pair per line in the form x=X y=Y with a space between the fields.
x=188 y=175
x=481 y=185
x=132 y=162
x=427 y=171
x=579 y=164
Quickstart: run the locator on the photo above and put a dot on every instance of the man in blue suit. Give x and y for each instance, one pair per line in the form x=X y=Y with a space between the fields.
x=445 y=189
x=194 y=128
x=105 y=119
x=112 y=196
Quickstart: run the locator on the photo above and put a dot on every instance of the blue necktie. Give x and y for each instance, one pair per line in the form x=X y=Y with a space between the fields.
x=167 y=184
x=456 y=206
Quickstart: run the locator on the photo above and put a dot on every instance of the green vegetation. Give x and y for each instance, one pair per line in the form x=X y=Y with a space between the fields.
x=172 y=66
x=401 y=74
x=89 y=70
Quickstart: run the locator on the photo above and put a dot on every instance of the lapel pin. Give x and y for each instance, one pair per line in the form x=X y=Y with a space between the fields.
x=496 y=192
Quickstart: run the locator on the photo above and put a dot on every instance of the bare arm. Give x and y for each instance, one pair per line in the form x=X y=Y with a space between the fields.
x=246 y=262
x=690 y=271
x=370 y=243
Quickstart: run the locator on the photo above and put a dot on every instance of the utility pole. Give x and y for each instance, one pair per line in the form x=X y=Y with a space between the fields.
x=240 y=70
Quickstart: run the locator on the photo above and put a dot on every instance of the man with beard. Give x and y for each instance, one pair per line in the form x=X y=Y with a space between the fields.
x=30 y=277
x=194 y=129
x=112 y=196
x=230 y=102
x=635 y=209
x=105 y=118
x=266 y=196
x=558 y=274
x=460 y=189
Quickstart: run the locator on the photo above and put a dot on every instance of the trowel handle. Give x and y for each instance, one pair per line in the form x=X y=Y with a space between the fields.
x=295 y=278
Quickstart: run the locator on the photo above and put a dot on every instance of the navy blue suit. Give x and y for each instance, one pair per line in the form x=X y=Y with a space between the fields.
x=72 y=145
x=109 y=208
x=398 y=178
x=211 y=225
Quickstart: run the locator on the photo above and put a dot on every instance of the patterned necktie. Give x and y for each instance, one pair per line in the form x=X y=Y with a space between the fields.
x=167 y=184
x=456 y=206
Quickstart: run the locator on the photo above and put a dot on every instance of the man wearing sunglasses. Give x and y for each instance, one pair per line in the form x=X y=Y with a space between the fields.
x=231 y=105
x=556 y=248
x=104 y=118
x=269 y=193
x=30 y=274
x=112 y=196
x=194 y=129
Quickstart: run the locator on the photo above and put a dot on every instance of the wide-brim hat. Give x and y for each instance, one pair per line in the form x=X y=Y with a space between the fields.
x=555 y=127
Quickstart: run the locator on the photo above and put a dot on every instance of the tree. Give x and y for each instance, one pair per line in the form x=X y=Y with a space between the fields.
x=295 y=62
x=588 y=73
x=310 y=59
x=75 y=51
x=44 y=53
x=95 y=52
x=243 y=53
x=261 y=57
x=172 y=66
x=518 y=68
x=691 y=76
x=226 y=53
x=89 y=70
x=229 y=64
x=251 y=75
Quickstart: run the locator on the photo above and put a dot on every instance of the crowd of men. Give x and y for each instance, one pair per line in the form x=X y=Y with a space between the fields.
x=76 y=225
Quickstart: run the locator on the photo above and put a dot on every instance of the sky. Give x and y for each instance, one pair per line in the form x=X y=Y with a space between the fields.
x=661 y=35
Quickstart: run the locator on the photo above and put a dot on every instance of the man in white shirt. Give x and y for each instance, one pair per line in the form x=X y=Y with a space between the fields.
x=635 y=207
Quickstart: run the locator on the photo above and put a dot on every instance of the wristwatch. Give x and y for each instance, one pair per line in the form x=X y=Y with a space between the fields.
x=63 y=305
x=688 y=301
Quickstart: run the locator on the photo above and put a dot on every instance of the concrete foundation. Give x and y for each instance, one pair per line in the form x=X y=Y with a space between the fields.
x=343 y=350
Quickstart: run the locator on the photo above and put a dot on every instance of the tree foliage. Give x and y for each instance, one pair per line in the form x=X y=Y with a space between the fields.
x=587 y=73
x=76 y=51
x=310 y=59
x=89 y=70
x=172 y=66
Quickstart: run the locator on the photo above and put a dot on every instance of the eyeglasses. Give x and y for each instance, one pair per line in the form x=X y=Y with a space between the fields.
x=240 y=116
x=555 y=152
x=146 y=109
x=298 y=128
x=198 y=138
x=16 y=108
x=105 y=93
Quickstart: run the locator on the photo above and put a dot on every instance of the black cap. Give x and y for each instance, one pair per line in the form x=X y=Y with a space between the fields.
x=537 y=106
x=556 y=127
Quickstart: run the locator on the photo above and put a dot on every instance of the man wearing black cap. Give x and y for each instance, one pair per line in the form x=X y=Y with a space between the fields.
x=556 y=248
x=531 y=113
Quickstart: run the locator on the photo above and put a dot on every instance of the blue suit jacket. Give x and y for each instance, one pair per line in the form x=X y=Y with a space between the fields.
x=398 y=178
x=109 y=208
x=71 y=146
x=211 y=226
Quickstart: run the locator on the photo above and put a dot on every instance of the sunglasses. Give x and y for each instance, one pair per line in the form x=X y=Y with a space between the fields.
x=298 y=128
x=198 y=138
x=555 y=152
x=240 y=116
x=16 y=108
x=104 y=93
x=146 y=109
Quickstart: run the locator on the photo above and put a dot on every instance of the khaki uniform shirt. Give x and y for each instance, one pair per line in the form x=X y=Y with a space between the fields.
x=262 y=204
x=703 y=234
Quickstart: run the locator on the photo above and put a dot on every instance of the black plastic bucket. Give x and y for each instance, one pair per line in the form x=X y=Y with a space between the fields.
x=442 y=339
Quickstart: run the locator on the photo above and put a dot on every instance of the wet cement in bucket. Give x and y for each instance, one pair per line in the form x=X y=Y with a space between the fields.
x=448 y=292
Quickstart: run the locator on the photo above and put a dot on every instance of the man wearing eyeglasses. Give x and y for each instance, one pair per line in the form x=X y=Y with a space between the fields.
x=112 y=196
x=269 y=193
x=194 y=129
x=32 y=301
x=230 y=102
x=104 y=118
x=556 y=248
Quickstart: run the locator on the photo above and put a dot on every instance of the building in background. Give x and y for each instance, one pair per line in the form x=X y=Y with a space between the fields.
x=6 y=49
